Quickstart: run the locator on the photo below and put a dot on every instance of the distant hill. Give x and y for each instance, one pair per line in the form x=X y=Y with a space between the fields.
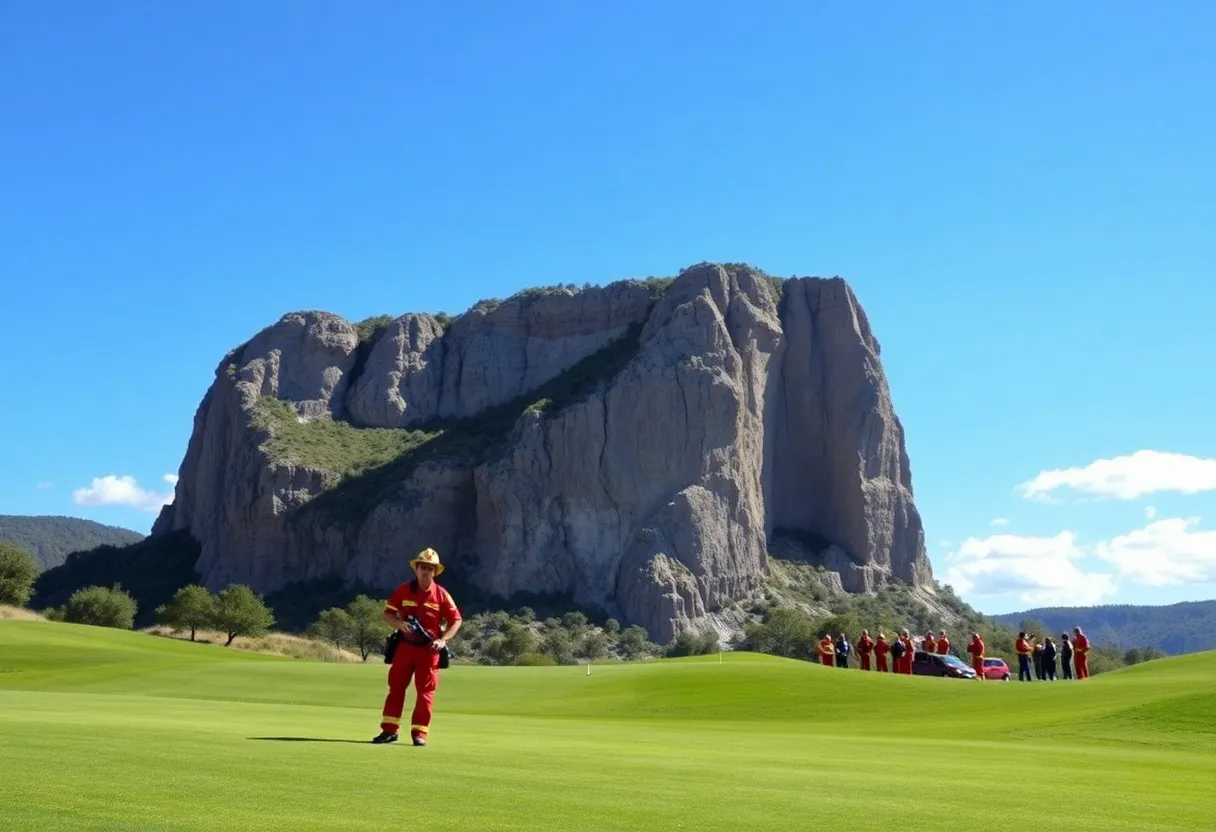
x=51 y=538
x=1177 y=628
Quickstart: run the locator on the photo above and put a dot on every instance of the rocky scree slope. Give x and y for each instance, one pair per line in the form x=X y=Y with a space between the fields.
x=634 y=447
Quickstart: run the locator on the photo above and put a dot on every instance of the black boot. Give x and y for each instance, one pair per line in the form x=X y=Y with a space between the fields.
x=385 y=736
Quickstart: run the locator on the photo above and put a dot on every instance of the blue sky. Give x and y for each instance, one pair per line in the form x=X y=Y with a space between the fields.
x=1022 y=195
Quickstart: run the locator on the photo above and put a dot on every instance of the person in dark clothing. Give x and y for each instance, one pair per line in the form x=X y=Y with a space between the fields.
x=1065 y=657
x=1038 y=659
x=1049 y=659
x=842 y=651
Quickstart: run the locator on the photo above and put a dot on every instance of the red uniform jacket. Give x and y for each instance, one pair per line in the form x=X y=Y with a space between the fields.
x=943 y=646
x=1080 y=645
x=929 y=645
x=434 y=608
x=865 y=645
x=976 y=649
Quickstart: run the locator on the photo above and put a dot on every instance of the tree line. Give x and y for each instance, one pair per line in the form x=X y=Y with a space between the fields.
x=519 y=638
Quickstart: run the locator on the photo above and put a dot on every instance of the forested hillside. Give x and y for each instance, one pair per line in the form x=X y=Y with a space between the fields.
x=1178 y=628
x=51 y=538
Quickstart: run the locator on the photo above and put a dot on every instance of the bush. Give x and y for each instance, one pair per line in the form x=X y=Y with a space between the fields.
x=688 y=644
x=535 y=660
x=18 y=571
x=100 y=607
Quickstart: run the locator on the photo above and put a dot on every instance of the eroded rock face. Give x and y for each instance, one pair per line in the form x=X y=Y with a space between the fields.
x=417 y=371
x=653 y=494
x=839 y=436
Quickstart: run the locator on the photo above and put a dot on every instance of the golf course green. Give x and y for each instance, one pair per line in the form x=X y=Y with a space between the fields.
x=106 y=729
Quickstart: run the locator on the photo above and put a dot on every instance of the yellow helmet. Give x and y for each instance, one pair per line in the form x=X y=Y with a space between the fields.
x=428 y=556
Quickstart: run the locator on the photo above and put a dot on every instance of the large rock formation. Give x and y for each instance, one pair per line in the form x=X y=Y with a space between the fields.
x=634 y=447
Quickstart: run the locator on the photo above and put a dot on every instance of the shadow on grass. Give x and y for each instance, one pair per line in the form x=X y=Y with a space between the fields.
x=309 y=739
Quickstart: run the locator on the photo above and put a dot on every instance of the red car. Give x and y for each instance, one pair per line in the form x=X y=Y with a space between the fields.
x=996 y=669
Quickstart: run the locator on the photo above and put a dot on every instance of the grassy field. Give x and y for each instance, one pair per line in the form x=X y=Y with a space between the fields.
x=101 y=729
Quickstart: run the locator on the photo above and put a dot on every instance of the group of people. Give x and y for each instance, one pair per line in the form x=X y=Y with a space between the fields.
x=873 y=653
x=1042 y=656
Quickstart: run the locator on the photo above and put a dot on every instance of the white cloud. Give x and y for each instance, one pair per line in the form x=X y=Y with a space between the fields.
x=1150 y=512
x=1164 y=553
x=999 y=521
x=1127 y=477
x=1039 y=570
x=111 y=490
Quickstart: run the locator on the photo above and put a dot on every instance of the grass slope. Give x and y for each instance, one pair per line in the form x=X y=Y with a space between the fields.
x=117 y=730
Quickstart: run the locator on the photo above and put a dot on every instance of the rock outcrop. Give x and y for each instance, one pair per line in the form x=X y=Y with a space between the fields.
x=633 y=446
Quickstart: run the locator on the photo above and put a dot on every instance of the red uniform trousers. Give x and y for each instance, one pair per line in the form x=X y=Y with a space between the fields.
x=905 y=664
x=881 y=659
x=977 y=664
x=1081 y=662
x=421 y=662
x=865 y=661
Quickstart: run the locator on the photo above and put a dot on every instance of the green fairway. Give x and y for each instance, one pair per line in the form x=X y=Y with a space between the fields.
x=102 y=729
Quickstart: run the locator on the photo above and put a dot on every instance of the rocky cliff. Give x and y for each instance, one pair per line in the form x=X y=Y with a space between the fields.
x=634 y=447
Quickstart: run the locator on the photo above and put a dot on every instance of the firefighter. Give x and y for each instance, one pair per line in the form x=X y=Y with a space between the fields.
x=827 y=651
x=1023 y=647
x=865 y=645
x=943 y=644
x=929 y=644
x=436 y=612
x=1080 y=653
x=905 y=661
x=976 y=649
x=881 y=649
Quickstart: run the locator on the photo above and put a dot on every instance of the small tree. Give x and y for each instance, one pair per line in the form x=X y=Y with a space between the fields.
x=192 y=608
x=334 y=625
x=368 y=628
x=507 y=648
x=557 y=643
x=18 y=571
x=239 y=611
x=635 y=642
x=594 y=645
x=101 y=606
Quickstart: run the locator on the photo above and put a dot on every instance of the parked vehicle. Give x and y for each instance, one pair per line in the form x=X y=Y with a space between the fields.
x=935 y=664
x=996 y=669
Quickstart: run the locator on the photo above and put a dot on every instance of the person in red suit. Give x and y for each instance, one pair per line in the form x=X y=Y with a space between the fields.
x=905 y=661
x=435 y=611
x=976 y=649
x=943 y=644
x=827 y=652
x=865 y=646
x=1080 y=653
x=929 y=645
x=1022 y=645
x=881 y=649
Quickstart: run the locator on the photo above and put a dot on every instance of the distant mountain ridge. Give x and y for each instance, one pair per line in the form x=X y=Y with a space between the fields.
x=1187 y=627
x=51 y=538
